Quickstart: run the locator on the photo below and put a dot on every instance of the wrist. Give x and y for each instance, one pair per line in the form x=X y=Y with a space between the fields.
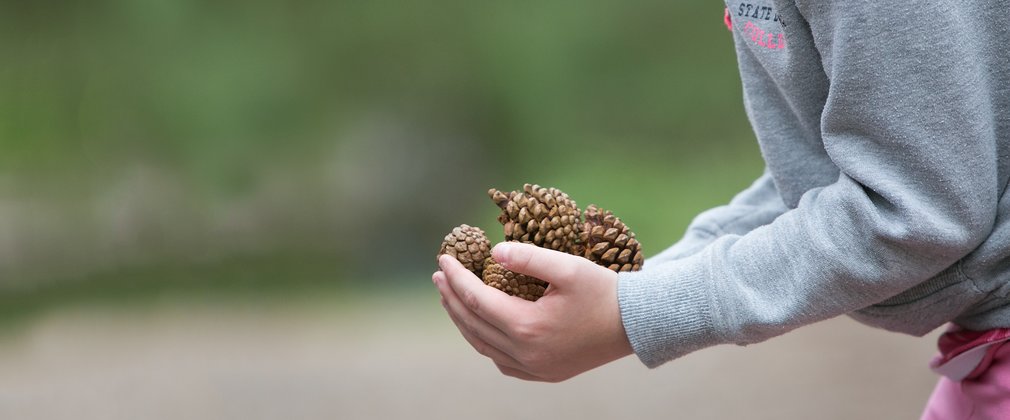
x=619 y=343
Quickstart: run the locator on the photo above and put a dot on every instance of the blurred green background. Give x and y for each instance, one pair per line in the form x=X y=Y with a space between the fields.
x=230 y=209
x=255 y=145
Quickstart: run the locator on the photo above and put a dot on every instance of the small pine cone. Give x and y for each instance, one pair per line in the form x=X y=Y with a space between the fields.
x=515 y=284
x=467 y=244
x=545 y=217
x=607 y=241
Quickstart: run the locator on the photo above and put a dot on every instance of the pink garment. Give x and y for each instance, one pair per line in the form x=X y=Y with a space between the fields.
x=976 y=376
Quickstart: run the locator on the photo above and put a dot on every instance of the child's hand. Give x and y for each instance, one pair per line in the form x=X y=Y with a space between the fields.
x=574 y=327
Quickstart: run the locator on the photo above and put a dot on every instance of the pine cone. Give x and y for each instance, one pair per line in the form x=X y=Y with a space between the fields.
x=545 y=217
x=515 y=284
x=607 y=241
x=469 y=245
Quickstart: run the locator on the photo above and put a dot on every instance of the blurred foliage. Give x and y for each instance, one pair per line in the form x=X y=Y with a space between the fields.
x=154 y=133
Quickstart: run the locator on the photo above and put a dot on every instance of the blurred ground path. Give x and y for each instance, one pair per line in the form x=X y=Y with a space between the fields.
x=401 y=358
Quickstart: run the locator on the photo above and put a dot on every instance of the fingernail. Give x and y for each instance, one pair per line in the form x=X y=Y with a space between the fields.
x=501 y=252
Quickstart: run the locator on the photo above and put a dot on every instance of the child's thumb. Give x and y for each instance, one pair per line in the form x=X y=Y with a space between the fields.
x=557 y=268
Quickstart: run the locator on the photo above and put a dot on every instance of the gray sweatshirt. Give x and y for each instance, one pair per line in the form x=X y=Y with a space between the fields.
x=885 y=130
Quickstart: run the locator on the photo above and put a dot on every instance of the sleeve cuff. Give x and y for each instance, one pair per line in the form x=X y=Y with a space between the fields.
x=667 y=311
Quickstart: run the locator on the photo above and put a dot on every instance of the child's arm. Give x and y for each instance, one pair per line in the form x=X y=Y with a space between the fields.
x=755 y=206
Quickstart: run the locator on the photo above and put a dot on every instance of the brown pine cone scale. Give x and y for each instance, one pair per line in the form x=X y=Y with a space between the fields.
x=607 y=241
x=545 y=217
x=469 y=245
x=512 y=283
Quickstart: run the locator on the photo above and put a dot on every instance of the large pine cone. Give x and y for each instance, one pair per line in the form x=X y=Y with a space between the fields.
x=469 y=245
x=607 y=241
x=545 y=217
x=515 y=284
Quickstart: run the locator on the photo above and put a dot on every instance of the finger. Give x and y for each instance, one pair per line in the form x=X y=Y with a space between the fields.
x=483 y=348
x=554 y=267
x=487 y=303
x=517 y=373
x=468 y=322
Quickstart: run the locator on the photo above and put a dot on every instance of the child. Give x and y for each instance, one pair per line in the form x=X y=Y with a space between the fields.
x=885 y=129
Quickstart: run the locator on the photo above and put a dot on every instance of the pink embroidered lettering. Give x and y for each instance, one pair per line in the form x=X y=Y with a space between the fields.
x=772 y=41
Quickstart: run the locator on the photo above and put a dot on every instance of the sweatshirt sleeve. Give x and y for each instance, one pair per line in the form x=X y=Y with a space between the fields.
x=908 y=123
x=755 y=206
